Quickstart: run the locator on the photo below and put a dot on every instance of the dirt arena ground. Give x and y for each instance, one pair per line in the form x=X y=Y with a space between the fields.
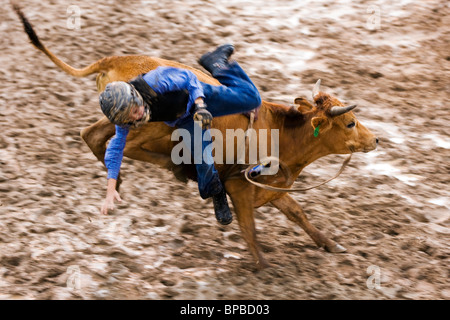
x=390 y=208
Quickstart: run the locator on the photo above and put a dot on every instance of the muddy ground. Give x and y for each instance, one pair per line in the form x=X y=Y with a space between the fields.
x=390 y=208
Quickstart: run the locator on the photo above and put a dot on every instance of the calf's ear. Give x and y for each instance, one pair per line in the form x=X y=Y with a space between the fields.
x=303 y=104
x=321 y=121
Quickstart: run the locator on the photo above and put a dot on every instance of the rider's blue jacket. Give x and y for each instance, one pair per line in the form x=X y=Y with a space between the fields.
x=161 y=80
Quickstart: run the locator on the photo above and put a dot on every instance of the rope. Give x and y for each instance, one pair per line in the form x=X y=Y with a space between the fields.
x=278 y=189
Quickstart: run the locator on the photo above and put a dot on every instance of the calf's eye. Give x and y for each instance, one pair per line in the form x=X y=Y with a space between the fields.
x=351 y=125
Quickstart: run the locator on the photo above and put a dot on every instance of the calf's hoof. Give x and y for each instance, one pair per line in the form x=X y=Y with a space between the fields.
x=335 y=248
x=261 y=265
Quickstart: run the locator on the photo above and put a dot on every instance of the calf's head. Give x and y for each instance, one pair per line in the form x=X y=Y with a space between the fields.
x=337 y=126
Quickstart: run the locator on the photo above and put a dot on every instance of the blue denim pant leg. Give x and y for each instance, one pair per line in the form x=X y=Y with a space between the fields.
x=208 y=179
x=237 y=94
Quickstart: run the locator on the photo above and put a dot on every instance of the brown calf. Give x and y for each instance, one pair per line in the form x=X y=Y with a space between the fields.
x=340 y=133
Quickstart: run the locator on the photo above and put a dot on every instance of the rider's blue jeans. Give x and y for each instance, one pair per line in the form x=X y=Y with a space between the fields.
x=237 y=94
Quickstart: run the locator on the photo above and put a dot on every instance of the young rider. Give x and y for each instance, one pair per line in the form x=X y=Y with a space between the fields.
x=178 y=98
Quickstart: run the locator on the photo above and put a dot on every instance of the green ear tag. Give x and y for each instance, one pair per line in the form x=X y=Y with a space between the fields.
x=316 y=131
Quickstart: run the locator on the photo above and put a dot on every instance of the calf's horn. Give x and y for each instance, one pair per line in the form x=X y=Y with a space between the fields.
x=316 y=89
x=337 y=111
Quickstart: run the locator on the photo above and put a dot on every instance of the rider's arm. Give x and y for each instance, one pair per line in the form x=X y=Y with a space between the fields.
x=114 y=152
x=166 y=79
x=113 y=161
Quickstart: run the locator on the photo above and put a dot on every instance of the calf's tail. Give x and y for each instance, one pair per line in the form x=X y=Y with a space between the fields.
x=93 y=68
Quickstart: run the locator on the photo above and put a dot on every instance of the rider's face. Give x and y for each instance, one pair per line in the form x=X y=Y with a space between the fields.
x=136 y=113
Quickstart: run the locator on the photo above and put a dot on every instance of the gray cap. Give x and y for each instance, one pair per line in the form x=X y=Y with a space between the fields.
x=117 y=100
